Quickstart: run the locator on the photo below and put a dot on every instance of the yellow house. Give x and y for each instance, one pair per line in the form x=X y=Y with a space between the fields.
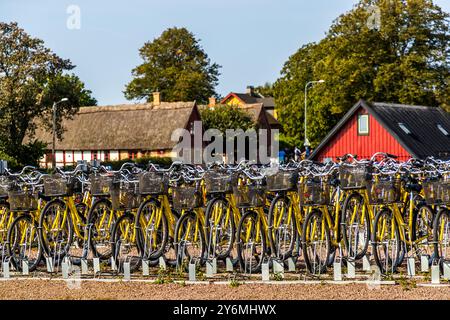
x=251 y=97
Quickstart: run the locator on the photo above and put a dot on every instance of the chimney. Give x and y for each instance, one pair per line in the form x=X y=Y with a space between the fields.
x=156 y=98
x=250 y=90
x=212 y=102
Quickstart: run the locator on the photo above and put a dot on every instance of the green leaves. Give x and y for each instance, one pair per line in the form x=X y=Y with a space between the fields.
x=31 y=79
x=406 y=60
x=223 y=117
x=175 y=65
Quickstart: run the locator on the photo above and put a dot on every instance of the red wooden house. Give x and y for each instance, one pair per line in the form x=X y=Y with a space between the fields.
x=404 y=130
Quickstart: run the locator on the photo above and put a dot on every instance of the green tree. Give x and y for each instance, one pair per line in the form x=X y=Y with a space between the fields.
x=31 y=79
x=175 y=65
x=223 y=117
x=403 y=59
x=266 y=90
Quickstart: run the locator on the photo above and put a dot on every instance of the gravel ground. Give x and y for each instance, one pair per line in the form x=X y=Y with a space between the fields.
x=47 y=289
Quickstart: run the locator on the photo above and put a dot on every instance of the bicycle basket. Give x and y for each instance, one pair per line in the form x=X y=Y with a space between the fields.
x=186 y=197
x=314 y=192
x=21 y=200
x=282 y=181
x=218 y=182
x=124 y=195
x=249 y=196
x=101 y=185
x=5 y=183
x=384 y=191
x=436 y=191
x=354 y=176
x=58 y=186
x=153 y=183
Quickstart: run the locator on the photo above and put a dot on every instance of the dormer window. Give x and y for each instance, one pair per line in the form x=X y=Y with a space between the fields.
x=442 y=129
x=404 y=128
x=363 y=125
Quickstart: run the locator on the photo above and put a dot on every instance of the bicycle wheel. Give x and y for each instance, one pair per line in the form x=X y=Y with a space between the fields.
x=441 y=236
x=123 y=243
x=101 y=219
x=422 y=231
x=55 y=230
x=386 y=242
x=316 y=242
x=220 y=228
x=151 y=229
x=282 y=227
x=251 y=247
x=23 y=242
x=189 y=240
x=355 y=226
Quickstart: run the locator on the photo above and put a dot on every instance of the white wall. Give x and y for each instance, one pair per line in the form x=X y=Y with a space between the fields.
x=87 y=155
x=114 y=155
x=77 y=156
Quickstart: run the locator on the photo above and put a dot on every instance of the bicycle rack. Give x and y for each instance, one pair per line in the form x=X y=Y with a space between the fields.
x=126 y=271
x=265 y=270
x=446 y=267
x=291 y=264
x=435 y=274
x=113 y=264
x=424 y=263
x=145 y=267
x=211 y=267
x=162 y=263
x=229 y=264
x=25 y=267
x=6 y=271
x=337 y=266
x=411 y=266
x=96 y=263
x=84 y=266
x=366 y=263
x=192 y=269
x=247 y=245
x=278 y=267
x=49 y=264
x=65 y=268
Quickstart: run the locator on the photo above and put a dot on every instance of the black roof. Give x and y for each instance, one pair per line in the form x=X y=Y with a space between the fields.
x=268 y=102
x=423 y=139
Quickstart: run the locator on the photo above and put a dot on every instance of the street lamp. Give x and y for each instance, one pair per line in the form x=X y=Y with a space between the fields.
x=307 y=144
x=54 y=130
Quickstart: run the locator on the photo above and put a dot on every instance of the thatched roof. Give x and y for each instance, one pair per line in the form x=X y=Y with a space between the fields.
x=123 y=127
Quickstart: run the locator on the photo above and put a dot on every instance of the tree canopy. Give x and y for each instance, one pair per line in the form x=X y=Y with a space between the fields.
x=32 y=77
x=405 y=58
x=223 y=117
x=175 y=65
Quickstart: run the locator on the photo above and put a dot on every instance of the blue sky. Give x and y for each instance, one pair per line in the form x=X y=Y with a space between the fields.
x=250 y=39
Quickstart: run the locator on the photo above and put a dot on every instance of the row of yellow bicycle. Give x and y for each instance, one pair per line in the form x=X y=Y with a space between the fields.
x=249 y=214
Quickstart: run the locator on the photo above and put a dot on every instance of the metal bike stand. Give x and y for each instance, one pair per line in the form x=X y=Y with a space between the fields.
x=5 y=265
x=229 y=264
x=162 y=263
x=435 y=274
x=424 y=263
x=337 y=266
x=145 y=267
x=49 y=264
x=192 y=270
x=84 y=266
x=126 y=271
x=96 y=263
x=65 y=268
x=278 y=267
x=291 y=264
x=446 y=267
x=351 y=274
x=113 y=264
x=366 y=263
x=411 y=266
x=25 y=267
x=211 y=267
x=265 y=270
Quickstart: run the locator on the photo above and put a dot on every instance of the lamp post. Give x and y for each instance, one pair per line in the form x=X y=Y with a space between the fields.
x=55 y=104
x=307 y=144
